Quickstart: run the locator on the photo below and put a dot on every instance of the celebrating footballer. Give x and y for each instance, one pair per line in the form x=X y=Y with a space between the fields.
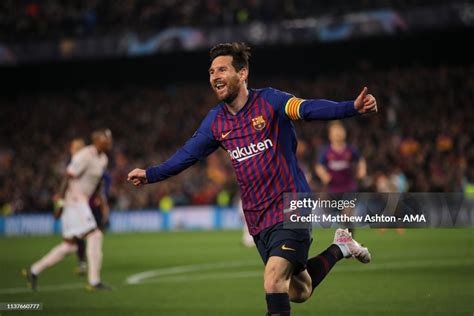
x=255 y=127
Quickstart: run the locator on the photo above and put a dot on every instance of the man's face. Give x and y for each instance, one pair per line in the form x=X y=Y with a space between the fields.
x=225 y=80
x=105 y=142
x=337 y=133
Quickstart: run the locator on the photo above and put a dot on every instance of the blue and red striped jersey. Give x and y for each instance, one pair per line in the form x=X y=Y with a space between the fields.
x=340 y=165
x=261 y=143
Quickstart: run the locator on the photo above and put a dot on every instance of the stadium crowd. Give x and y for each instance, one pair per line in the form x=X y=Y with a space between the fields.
x=421 y=140
x=39 y=20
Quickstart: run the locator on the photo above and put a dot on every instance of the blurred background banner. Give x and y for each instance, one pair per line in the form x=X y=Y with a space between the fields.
x=180 y=218
x=88 y=36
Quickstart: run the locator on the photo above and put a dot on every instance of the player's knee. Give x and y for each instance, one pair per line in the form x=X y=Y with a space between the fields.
x=277 y=275
x=67 y=247
x=275 y=286
x=274 y=283
x=95 y=235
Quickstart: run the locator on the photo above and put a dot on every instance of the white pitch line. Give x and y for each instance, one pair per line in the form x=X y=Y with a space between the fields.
x=179 y=274
x=139 y=277
x=205 y=277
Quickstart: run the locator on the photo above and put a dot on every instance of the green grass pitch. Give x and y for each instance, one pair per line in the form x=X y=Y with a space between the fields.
x=423 y=272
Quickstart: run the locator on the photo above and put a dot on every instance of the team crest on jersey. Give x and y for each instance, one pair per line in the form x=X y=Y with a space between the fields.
x=258 y=123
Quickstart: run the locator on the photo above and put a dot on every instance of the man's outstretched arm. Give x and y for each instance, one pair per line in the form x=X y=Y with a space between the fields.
x=196 y=148
x=320 y=109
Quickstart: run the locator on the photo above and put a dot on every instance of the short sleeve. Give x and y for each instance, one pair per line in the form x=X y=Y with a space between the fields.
x=78 y=163
x=322 y=159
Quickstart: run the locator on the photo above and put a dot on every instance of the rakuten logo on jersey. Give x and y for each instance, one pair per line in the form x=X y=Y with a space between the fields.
x=252 y=150
x=338 y=165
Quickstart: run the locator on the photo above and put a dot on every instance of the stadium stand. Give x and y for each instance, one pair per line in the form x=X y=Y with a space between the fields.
x=39 y=20
x=423 y=133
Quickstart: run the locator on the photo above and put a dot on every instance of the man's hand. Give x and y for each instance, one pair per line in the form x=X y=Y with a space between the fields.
x=323 y=174
x=58 y=204
x=365 y=103
x=326 y=179
x=137 y=177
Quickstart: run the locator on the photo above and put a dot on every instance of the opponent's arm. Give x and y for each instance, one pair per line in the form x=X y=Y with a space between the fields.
x=58 y=198
x=320 y=109
x=63 y=186
x=74 y=169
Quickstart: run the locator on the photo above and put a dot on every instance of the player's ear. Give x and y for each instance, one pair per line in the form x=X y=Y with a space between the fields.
x=244 y=74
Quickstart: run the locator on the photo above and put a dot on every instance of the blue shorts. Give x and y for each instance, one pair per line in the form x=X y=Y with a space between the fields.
x=291 y=244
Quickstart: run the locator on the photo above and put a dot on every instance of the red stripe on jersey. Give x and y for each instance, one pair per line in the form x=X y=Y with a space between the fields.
x=284 y=170
x=268 y=187
x=248 y=197
x=292 y=185
x=253 y=137
x=275 y=183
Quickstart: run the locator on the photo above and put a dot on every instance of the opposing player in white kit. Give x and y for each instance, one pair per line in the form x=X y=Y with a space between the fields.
x=84 y=174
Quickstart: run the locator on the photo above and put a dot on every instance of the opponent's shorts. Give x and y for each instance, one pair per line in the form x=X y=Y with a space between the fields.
x=291 y=244
x=77 y=220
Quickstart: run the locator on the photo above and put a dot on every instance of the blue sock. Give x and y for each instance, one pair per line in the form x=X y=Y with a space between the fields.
x=278 y=304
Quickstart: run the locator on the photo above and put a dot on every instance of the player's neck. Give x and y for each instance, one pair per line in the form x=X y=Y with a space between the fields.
x=98 y=149
x=338 y=146
x=239 y=102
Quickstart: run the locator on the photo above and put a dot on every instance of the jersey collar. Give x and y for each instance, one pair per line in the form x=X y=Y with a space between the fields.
x=243 y=109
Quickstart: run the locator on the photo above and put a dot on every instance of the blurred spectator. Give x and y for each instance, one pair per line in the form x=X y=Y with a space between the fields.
x=420 y=141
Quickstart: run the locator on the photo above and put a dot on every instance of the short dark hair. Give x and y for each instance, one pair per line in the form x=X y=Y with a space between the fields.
x=101 y=132
x=239 y=51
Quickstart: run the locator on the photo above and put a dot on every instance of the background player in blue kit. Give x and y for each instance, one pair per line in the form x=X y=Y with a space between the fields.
x=340 y=165
x=255 y=127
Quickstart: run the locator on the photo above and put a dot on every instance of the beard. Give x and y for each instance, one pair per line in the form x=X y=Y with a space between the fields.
x=231 y=94
x=232 y=91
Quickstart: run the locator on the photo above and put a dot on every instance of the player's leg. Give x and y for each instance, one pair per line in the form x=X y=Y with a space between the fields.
x=343 y=246
x=81 y=268
x=318 y=267
x=277 y=276
x=300 y=287
x=53 y=257
x=284 y=252
x=303 y=284
x=94 y=255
